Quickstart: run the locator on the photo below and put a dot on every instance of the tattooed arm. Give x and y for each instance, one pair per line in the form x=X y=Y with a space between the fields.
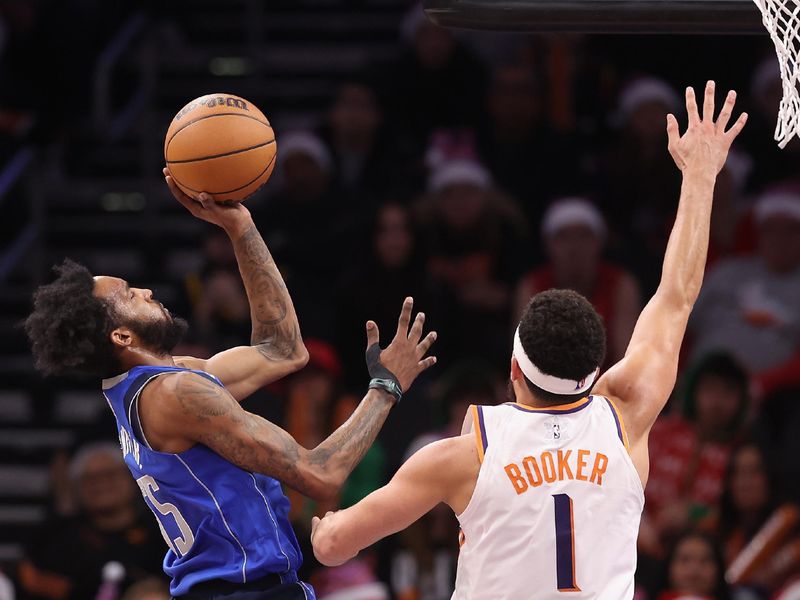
x=276 y=345
x=182 y=409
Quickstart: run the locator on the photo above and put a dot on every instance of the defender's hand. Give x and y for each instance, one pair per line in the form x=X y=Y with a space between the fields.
x=705 y=144
x=233 y=217
x=315 y=521
x=405 y=356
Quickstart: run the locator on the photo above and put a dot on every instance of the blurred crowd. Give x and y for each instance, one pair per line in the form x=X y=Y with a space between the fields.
x=472 y=174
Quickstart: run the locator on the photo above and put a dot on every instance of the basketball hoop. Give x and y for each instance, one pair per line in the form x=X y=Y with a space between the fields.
x=780 y=17
x=782 y=20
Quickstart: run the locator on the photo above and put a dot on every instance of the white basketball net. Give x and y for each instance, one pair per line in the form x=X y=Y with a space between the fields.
x=782 y=20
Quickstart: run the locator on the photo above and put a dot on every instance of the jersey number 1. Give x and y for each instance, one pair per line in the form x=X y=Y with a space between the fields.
x=565 y=544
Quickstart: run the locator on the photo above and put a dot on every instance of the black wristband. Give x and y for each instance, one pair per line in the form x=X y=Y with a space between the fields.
x=376 y=369
x=388 y=385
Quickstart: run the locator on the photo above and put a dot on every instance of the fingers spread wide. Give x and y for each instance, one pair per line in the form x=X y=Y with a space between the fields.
x=416 y=328
x=708 y=102
x=425 y=344
x=737 y=127
x=426 y=363
x=691 y=107
x=405 y=316
x=373 y=335
x=673 y=132
x=725 y=113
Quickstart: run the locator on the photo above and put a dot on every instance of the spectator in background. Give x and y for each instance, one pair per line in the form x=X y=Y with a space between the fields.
x=435 y=83
x=749 y=306
x=474 y=243
x=217 y=297
x=749 y=497
x=750 y=500
x=695 y=570
x=424 y=565
x=641 y=179
x=67 y=559
x=390 y=269
x=771 y=163
x=574 y=234
x=307 y=226
x=463 y=384
x=689 y=452
x=526 y=156
x=366 y=160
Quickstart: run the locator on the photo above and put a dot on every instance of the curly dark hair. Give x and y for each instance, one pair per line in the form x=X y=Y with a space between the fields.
x=563 y=336
x=69 y=327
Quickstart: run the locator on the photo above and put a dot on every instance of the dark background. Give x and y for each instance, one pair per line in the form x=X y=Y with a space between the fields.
x=384 y=101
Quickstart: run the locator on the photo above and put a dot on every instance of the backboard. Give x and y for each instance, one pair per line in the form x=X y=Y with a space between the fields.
x=599 y=16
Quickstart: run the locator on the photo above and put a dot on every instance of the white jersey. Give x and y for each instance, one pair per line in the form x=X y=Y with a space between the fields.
x=556 y=507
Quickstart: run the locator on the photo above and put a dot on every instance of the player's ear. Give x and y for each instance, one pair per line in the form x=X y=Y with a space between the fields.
x=516 y=372
x=121 y=337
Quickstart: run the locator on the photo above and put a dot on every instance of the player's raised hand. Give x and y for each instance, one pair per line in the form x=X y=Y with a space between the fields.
x=404 y=357
x=705 y=144
x=233 y=217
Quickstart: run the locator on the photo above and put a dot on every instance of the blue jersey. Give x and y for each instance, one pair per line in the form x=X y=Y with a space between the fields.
x=219 y=521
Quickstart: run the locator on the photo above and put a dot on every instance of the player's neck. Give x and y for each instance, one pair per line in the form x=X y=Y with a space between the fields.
x=525 y=398
x=141 y=357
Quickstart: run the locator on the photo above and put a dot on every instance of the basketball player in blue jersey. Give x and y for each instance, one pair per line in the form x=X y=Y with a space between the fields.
x=548 y=490
x=210 y=471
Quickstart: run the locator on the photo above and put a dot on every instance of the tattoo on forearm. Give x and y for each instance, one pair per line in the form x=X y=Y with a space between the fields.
x=277 y=453
x=346 y=446
x=266 y=448
x=276 y=332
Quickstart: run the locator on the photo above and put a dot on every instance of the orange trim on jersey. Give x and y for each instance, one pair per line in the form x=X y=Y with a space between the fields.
x=572 y=533
x=621 y=424
x=557 y=408
x=476 y=425
x=461 y=538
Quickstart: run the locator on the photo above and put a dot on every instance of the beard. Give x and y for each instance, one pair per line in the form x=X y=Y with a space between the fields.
x=160 y=336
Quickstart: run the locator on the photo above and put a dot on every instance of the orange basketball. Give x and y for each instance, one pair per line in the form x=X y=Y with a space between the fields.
x=220 y=144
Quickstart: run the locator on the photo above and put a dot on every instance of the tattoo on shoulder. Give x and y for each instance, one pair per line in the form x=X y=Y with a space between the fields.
x=202 y=398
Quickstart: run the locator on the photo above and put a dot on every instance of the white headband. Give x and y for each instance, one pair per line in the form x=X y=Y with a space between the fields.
x=554 y=385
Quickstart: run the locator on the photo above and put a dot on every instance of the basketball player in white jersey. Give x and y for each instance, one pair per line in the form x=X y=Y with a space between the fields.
x=549 y=489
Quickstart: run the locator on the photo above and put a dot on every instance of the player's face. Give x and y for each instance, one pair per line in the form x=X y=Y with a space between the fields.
x=130 y=303
x=693 y=569
x=136 y=308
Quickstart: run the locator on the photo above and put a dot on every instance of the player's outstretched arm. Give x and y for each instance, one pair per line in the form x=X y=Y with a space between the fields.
x=185 y=408
x=276 y=347
x=643 y=380
x=444 y=471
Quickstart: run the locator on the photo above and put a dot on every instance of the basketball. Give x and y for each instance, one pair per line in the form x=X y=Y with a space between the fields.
x=220 y=144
